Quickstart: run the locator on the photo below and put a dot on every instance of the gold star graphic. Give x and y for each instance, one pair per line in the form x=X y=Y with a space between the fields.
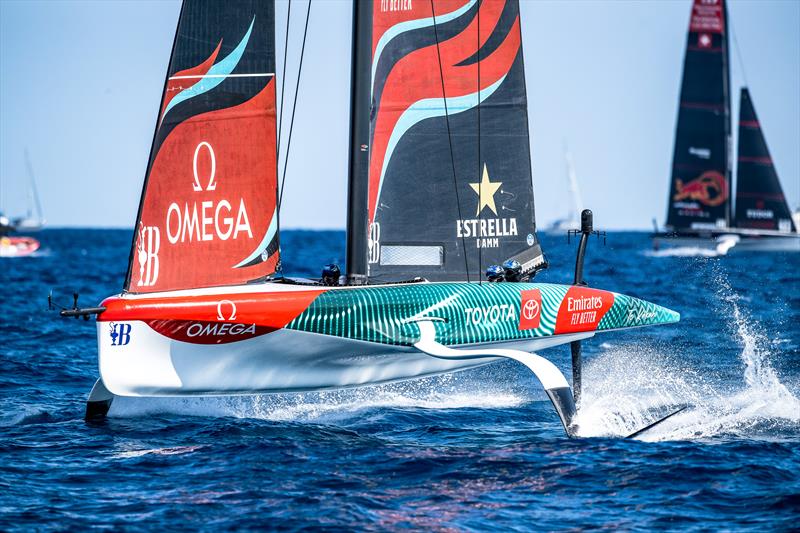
x=486 y=189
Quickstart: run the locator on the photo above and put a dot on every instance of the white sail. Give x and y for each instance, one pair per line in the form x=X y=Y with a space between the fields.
x=573 y=219
x=34 y=217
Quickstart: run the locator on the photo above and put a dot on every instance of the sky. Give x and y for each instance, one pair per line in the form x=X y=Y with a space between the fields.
x=80 y=85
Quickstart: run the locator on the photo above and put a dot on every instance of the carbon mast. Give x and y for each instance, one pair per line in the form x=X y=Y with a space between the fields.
x=358 y=165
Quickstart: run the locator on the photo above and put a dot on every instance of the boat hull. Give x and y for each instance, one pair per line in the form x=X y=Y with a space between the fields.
x=279 y=338
x=283 y=361
x=18 y=246
x=730 y=242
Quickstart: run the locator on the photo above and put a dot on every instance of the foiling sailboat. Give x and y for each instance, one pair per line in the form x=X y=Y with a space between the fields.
x=440 y=190
x=699 y=212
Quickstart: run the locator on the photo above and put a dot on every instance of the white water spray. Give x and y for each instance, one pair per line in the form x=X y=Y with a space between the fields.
x=629 y=387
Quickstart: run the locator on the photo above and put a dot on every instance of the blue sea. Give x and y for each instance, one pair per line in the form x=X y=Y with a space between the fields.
x=479 y=450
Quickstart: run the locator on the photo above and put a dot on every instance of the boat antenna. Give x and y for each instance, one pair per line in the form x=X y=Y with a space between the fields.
x=294 y=108
x=450 y=142
x=586 y=231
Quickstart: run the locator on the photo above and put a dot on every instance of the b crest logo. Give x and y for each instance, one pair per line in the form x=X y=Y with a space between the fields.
x=149 y=243
x=120 y=334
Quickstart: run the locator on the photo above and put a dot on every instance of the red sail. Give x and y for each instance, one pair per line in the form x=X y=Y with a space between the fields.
x=208 y=212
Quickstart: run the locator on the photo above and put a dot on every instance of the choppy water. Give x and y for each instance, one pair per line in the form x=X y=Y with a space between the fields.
x=478 y=450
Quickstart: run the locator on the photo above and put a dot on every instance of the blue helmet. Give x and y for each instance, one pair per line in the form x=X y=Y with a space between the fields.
x=513 y=270
x=330 y=274
x=495 y=273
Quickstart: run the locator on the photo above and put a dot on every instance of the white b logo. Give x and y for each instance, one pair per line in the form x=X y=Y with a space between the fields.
x=147 y=255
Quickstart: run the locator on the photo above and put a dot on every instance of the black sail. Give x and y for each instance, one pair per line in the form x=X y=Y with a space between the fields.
x=760 y=203
x=700 y=182
x=450 y=187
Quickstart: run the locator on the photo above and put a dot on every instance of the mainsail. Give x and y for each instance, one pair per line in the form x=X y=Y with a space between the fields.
x=208 y=212
x=701 y=179
x=760 y=203
x=449 y=180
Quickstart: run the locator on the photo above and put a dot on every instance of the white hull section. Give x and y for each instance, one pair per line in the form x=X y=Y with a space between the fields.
x=151 y=364
x=725 y=244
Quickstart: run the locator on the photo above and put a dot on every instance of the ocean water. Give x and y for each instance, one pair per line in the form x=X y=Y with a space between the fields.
x=479 y=450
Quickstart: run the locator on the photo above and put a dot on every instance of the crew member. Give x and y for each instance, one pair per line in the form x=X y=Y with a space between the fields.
x=513 y=270
x=330 y=275
x=495 y=274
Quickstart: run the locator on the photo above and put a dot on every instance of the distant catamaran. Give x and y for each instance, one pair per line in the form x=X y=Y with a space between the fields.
x=439 y=189
x=700 y=203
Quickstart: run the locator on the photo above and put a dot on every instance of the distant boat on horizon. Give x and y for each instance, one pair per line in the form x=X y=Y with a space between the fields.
x=572 y=220
x=700 y=210
x=20 y=246
x=34 y=215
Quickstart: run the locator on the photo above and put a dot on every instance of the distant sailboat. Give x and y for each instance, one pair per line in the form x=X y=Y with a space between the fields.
x=34 y=216
x=573 y=218
x=700 y=207
x=438 y=125
x=20 y=246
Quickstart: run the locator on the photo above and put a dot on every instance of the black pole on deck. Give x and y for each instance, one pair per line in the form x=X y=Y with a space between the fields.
x=587 y=224
x=358 y=166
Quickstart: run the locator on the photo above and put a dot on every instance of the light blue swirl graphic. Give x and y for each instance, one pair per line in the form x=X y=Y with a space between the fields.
x=409 y=25
x=430 y=108
x=271 y=231
x=215 y=75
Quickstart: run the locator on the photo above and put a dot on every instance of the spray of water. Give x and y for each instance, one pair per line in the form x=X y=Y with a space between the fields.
x=685 y=251
x=629 y=387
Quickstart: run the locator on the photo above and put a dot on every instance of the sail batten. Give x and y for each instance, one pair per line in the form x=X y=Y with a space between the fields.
x=208 y=212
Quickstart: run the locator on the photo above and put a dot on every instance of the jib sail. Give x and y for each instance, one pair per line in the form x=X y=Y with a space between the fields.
x=208 y=210
x=450 y=188
x=760 y=203
x=700 y=183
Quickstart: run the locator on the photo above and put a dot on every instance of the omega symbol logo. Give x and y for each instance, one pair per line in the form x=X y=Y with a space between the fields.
x=222 y=307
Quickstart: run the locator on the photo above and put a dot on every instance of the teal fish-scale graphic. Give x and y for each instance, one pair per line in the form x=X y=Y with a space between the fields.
x=469 y=313
x=630 y=312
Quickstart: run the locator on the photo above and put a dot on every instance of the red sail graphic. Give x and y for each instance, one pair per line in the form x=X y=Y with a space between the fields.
x=449 y=180
x=417 y=76
x=208 y=188
x=208 y=212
